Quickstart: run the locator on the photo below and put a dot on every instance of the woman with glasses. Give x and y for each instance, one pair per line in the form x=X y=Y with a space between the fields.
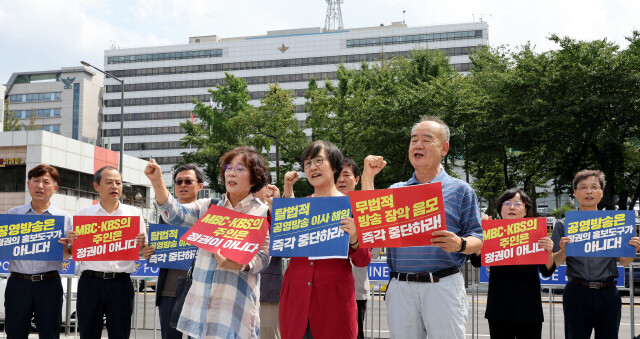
x=514 y=309
x=223 y=301
x=318 y=296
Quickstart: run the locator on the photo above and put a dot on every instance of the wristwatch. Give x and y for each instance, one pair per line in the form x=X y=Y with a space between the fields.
x=463 y=246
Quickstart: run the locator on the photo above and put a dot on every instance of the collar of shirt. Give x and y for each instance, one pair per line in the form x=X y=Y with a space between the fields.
x=439 y=178
x=244 y=202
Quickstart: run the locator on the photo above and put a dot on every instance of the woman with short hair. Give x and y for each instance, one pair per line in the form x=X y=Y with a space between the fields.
x=318 y=296
x=513 y=302
x=223 y=301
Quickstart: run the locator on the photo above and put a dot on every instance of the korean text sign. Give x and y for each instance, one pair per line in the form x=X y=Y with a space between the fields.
x=398 y=217
x=31 y=237
x=600 y=233
x=170 y=251
x=514 y=242
x=309 y=227
x=104 y=238
x=238 y=236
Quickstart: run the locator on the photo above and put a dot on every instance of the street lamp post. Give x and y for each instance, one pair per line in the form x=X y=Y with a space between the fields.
x=108 y=75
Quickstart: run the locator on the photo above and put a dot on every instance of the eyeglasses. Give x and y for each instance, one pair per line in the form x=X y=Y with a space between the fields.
x=516 y=204
x=238 y=168
x=187 y=182
x=316 y=161
x=585 y=188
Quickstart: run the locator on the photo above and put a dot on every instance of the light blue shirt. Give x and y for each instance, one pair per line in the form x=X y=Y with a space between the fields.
x=462 y=218
x=38 y=266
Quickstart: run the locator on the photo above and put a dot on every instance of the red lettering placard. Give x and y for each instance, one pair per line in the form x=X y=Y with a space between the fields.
x=238 y=236
x=514 y=242
x=398 y=217
x=105 y=238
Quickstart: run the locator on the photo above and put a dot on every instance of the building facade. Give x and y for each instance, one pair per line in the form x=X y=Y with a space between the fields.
x=66 y=101
x=76 y=161
x=160 y=82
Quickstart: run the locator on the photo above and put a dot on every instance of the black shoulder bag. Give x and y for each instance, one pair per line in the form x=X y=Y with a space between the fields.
x=183 y=286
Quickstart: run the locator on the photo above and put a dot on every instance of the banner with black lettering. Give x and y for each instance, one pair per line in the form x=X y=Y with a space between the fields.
x=31 y=237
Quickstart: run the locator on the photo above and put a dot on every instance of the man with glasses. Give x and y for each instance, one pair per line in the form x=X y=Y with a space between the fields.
x=188 y=180
x=426 y=294
x=590 y=300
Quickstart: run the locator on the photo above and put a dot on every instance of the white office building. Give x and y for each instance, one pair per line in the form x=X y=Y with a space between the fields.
x=65 y=101
x=160 y=82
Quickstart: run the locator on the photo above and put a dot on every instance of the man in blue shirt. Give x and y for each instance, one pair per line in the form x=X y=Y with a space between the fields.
x=34 y=289
x=426 y=294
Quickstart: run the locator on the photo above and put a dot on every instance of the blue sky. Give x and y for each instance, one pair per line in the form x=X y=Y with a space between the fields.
x=49 y=34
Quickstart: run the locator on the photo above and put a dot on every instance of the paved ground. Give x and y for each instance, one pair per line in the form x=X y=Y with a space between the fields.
x=476 y=327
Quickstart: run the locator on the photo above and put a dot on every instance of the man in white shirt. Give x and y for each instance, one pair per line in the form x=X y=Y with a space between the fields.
x=105 y=287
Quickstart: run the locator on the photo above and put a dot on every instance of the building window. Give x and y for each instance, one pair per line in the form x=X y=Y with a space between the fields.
x=210 y=53
x=37 y=113
x=76 y=111
x=34 y=97
x=13 y=178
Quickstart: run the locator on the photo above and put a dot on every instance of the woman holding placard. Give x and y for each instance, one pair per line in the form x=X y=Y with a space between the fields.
x=318 y=296
x=513 y=302
x=223 y=301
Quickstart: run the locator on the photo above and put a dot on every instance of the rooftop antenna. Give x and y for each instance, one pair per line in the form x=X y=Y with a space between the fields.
x=333 y=20
x=403 y=13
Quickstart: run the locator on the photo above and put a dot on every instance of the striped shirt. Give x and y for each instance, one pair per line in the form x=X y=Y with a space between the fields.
x=221 y=303
x=463 y=218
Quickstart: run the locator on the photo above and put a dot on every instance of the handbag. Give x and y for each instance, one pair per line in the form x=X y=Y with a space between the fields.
x=182 y=289
x=183 y=286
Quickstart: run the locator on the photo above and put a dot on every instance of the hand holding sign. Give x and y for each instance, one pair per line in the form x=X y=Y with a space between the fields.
x=349 y=226
x=227 y=263
x=447 y=241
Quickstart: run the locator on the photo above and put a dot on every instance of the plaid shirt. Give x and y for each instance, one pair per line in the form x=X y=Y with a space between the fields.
x=221 y=303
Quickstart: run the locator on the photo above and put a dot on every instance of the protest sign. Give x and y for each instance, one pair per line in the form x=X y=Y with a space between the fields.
x=309 y=227
x=31 y=237
x=105 y=238
x=398 y=217
x=514 y=242
x=170 y=251
x=600 y=233
x=238 y=236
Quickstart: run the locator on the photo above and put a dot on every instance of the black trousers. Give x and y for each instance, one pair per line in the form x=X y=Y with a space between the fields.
x=509 y=330
x=42 y=300
x=111 y=298
x=165 y=306
x=362 y=312
x=587 y=309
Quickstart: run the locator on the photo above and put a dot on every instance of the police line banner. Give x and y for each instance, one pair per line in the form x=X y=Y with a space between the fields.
x=558 y=277
x=514 y=242
x=170 y=251
x=31 y=237
x=238 y=236
x=104 y=238
x=309 y=227
x=398 y=217
x=600 y=233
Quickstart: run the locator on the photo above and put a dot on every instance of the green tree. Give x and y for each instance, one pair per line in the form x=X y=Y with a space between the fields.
x=10 y=122
x=216 y=132
x=274 y=123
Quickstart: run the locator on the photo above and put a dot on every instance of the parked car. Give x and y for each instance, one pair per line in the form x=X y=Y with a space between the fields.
x=74 y=296
x=544 y=210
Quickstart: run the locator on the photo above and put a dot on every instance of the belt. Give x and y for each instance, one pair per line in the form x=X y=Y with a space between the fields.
x=106 y=275
x=35 y=277
x=425 y=277
x=592 y=284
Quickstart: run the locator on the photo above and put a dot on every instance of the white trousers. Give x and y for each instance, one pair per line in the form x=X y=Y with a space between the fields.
x=418 y=309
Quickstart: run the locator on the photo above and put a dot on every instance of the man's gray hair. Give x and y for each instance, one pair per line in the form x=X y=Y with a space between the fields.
x=445 y=129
